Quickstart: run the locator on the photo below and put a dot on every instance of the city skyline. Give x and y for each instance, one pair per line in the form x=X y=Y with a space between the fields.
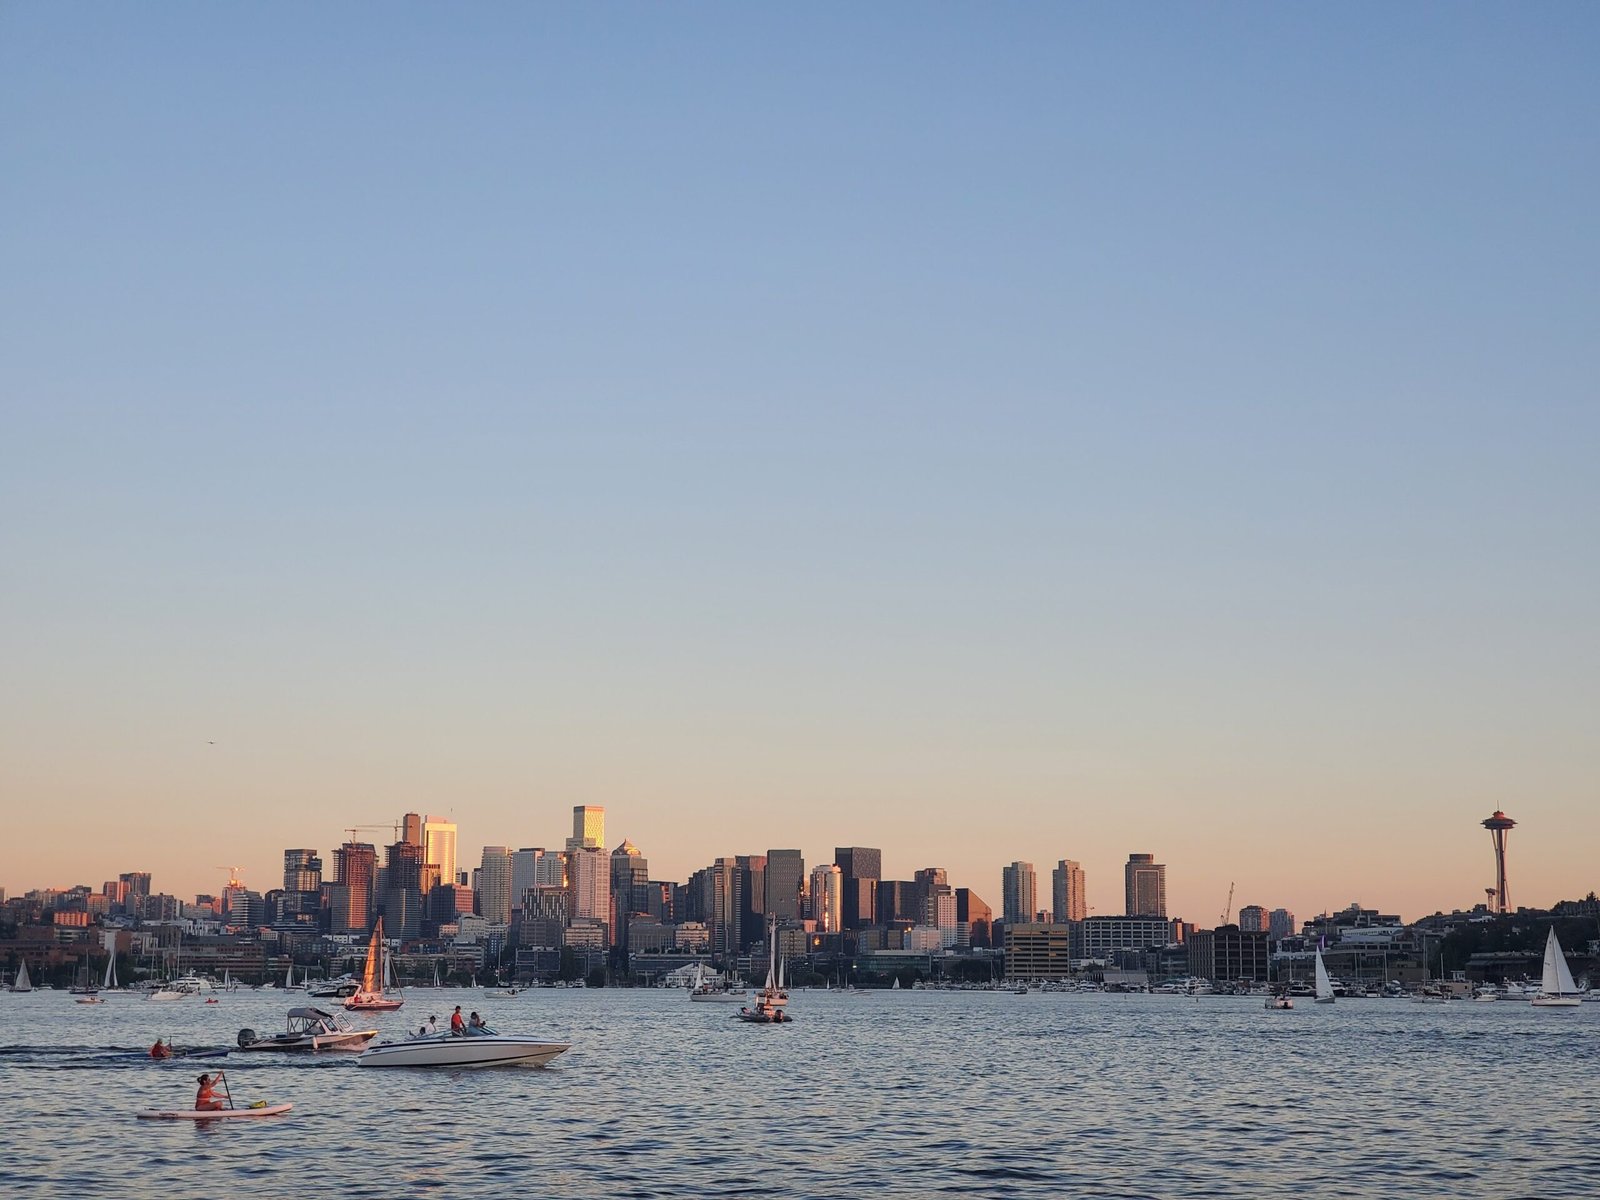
x=1101 y=889
x=986 y=434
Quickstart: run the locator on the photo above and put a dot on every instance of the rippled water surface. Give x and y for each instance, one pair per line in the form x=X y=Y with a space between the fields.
x=893 y=1093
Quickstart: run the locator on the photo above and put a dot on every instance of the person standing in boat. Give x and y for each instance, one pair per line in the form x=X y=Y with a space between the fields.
x=458 y=1024
x=206 y=1100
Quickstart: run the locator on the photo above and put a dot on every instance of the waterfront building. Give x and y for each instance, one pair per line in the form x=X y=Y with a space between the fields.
x=1253 y=918
x=494 y=885
x=302 y=871
x=860 y=867
x=1103 y=937
x=439 y=846
x=1145 y=881
x=1229 y=954
x=1019 y=894
x=824 y=897
x=1037 y=950
x=785 y=881
x=1068 y=893
x=588 y=828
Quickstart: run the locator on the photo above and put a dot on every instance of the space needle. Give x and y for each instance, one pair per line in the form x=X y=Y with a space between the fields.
x=1498 y=826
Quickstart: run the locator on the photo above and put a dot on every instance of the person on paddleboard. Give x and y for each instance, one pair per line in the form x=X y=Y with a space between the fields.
x=206 y=1100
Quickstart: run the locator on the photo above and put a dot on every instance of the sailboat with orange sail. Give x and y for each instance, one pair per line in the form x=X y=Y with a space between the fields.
x=372 y=997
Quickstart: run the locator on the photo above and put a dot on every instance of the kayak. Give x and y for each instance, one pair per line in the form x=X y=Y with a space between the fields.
x=211 y=1114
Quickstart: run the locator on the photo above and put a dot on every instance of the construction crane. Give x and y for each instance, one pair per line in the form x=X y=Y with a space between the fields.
x=1227 y=909
x=233 y=876
x=393 y=826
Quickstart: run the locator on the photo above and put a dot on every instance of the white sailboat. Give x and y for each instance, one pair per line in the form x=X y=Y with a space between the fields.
x=1557 y=989
x=22 y=983
x=1324 y=984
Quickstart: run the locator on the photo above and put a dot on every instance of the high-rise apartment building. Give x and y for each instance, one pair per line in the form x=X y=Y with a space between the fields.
x=823 y=897
x=302 y=871
x=1067 y=892
x=588 y=828
x=1280 y=924
x=1019 y=900
x=785 y=880
x=724 y=905
x=861 y=867
x=138 y=884
x=1145 y=881
x=439 y=846
x=494 y=885
x=1252 y=919
x=355 y=867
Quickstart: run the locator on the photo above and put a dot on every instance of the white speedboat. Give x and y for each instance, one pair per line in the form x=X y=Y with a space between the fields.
x=471 y=1050
x=309 y=1029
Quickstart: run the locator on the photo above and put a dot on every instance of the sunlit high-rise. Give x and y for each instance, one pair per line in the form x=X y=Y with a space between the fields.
x=823 y=897
x=302 y=871
x=439 y=845
x=588 y=828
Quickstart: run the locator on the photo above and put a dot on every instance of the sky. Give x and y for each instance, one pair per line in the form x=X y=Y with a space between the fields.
x=986 y=432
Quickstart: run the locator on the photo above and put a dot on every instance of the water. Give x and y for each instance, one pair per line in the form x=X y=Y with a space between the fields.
x=893 y=1093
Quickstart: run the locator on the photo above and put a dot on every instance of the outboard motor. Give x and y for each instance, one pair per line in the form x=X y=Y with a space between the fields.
x=246 y=1037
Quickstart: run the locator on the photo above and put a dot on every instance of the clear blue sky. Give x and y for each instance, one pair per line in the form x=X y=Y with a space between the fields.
x=987 y=431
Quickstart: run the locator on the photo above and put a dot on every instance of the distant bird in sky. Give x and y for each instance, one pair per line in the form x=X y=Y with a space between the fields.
x=211 y=743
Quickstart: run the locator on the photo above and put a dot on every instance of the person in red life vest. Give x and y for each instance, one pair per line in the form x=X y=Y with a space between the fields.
x=160 y=1051
x=206 y=1100
x=458 y=1026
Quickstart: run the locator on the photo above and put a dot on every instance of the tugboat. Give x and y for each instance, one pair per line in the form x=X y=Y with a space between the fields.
x=768 y=1008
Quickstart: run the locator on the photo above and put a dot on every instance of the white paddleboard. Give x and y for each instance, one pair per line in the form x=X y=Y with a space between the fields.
x=212 y=1114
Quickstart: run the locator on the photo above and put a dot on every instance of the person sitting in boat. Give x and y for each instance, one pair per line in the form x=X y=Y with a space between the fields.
x=476 y=1027
x=458 y=1024
x=160 y=1051
x=206 y=1100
